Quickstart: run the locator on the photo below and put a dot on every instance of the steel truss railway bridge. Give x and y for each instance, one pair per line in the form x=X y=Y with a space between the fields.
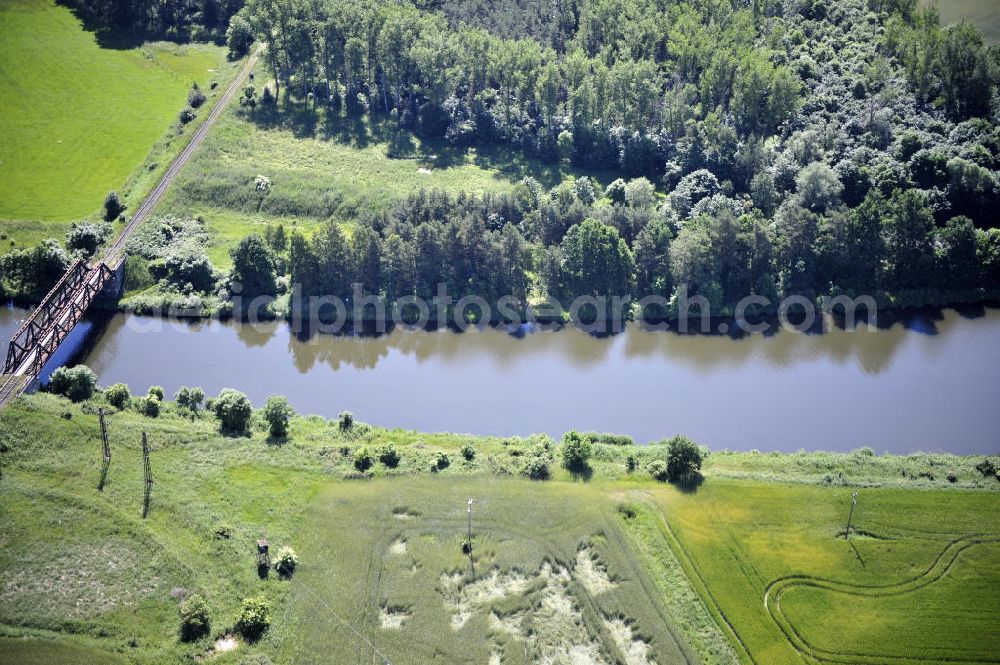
x=38 y=338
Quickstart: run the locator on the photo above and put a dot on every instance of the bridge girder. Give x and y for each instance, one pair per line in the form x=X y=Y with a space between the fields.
x=56 y=316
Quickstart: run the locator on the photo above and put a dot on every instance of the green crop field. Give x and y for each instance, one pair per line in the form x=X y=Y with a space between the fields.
x=551 y=577
x=611 y=569
x=77 y=120
x=915 y=583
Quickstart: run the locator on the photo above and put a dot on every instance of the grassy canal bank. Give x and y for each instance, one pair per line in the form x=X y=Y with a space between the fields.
x=603 y=562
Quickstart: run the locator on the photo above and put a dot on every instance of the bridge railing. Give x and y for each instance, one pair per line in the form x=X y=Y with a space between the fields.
x=27 y=335
x=69 y=315
x=57 y=314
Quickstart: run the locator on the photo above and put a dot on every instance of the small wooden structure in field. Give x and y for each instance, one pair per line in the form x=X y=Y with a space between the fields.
x=263 y=557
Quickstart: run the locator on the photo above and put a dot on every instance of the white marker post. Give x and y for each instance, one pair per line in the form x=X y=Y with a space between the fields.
x=850 y=514
x=470 y=526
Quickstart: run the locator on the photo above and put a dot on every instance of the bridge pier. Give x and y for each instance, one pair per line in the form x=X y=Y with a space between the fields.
x=115 y=286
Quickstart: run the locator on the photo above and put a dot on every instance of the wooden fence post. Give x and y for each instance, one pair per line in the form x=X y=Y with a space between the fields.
x=147 y=475
x=107 y=450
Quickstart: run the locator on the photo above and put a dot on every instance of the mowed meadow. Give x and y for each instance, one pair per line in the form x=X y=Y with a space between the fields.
x=78 y=120
x=984 y=15
x=601 y=567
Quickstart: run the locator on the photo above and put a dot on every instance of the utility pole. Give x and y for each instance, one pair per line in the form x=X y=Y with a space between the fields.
x=147 y=471
x=104 y=436
x=850 y=514
x=107 y=450
x=470 y=526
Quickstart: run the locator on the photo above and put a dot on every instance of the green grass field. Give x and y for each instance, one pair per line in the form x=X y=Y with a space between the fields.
x=227 y=227
x=611 y=569
x=78 y=120
x=984 y=15
x=900 y=589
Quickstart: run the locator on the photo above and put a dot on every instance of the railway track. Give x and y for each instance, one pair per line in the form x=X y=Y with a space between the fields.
x=116 y=252
x=14 y=384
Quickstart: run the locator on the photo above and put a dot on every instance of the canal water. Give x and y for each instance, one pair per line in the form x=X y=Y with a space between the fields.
x=929 y=382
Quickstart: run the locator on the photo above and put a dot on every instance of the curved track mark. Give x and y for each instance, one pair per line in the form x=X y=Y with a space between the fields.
x=937 y=570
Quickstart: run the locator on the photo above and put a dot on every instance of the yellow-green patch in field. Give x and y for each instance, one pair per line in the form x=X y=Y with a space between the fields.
x=772 y=562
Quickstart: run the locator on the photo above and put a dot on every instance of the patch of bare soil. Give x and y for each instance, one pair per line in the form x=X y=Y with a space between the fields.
x=226 y=643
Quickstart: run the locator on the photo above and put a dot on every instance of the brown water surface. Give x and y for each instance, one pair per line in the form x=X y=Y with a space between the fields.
x=927 y=383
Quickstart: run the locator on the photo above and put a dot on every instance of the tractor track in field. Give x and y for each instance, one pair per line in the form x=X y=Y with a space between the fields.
x=641 y=578
x=942 y=564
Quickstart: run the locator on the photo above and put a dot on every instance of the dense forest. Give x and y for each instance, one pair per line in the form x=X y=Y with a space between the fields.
x=657 y=88
x=774 y=148
x=132 y=21
x=564 y=244
x=803 y=147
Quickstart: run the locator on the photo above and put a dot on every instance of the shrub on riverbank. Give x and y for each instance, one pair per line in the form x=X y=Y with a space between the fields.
x=277 y=411
x=117 y=395
x=84 y=238
x=148 y=406
x=536 y=467
x=189 y=398
x=233 y=409
x=362 y=459
x=608 y=439
x=576 y=451
x=684 y=458
x=77 y=383
x=389 y=456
